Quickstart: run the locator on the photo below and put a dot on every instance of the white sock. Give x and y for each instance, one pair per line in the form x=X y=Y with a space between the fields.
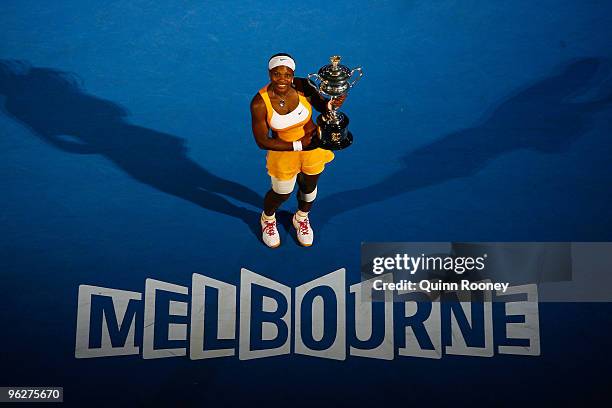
x=301 y=215
x=268 y=217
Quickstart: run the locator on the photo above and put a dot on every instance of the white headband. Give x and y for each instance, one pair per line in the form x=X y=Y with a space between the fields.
x=281 y=60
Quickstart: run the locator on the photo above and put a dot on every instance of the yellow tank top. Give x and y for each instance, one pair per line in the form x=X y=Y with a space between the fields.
x=289 y=127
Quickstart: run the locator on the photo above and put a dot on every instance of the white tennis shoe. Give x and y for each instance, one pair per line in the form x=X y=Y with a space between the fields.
x=303 y=230
x=269 y=233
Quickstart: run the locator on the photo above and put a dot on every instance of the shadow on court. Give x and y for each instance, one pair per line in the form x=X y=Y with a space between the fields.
x=53 y=105
x=546 y=116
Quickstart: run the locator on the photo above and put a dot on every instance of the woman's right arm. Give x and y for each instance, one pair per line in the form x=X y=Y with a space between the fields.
x=261 y=130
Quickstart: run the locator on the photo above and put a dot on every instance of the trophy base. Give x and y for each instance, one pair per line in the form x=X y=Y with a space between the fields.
x=343 y=144
x=334 y=136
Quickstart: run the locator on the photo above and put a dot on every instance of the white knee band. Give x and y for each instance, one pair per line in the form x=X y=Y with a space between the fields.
x=283 y=186
x=308 y=197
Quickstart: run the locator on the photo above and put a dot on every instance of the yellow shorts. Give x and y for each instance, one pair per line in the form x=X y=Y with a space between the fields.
x=286 y=165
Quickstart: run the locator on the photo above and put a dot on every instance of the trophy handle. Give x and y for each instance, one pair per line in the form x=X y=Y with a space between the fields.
x=313 y=83
x=358 y=69
x=317 y=86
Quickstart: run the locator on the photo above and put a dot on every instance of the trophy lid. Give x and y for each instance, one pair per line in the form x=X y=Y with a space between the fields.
x=335 y=72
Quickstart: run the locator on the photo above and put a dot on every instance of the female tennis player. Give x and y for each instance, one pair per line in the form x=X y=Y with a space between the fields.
x=281 y=115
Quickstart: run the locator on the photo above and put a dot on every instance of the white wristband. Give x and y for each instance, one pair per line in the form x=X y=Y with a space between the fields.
x=297 y=146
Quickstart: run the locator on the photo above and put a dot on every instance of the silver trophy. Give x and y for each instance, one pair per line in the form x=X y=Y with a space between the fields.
x=332 y=81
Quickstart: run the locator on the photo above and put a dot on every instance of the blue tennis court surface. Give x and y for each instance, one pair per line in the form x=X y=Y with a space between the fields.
x=127 y=154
